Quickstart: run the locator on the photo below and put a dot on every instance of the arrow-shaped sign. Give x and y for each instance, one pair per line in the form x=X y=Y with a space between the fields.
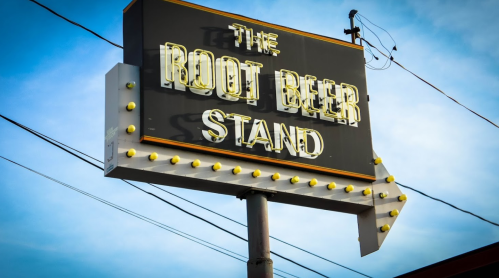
x=375 y=223
x=128 y=158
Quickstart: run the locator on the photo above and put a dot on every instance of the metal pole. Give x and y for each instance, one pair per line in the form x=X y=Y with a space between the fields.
x=351 y=15
x=259 y=264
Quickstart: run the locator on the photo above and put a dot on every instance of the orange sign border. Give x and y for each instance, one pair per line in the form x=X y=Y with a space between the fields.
x=262 y=23
x=304 y=166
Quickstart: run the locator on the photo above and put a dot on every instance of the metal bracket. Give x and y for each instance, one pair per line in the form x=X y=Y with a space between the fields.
x=252 y=190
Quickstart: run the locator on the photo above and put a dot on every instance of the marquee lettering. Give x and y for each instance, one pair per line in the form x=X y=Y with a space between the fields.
x=297 y=140
x=202 y=74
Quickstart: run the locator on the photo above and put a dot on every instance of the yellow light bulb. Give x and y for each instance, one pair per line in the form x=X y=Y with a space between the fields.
x=130 y=152
x=349 y=188
x=331 y=186
x=236 y=170
x=130 y=106
x=217 y=166
x=394 y=213
x=312 y=183
x=390 y=179
x=195 y=163
x=366 y=191
x=175 y=160
x=294 y=179
x=378 y=161
x=130 y=85
x=153 y=156
x=130 y=129
x=276 y=176
x=402 y=197
x=385 y=228
x=383 y=195
x=256 y=173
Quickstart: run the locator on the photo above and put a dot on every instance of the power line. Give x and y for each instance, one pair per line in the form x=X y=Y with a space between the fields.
x=359 y=14
x=149 y=193
x=77 y=24
x=142 y=217
x=436 y=199
x=218 y=227
x=451 y=205
x=282 y=241
x=373 y=34
x=45 y=138
x=368 y=49
x=38 y=134
x=434 y=87
x=389 y=57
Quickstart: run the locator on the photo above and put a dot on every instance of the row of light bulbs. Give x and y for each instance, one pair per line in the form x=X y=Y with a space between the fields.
x=383 y=195
x=217 y=166
x=276 y=176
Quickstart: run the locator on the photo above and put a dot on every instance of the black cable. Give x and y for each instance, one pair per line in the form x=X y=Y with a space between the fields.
x=216 y=226
x=434 y=87
x=200 y=206
x=451 y=205
x=358 y=14
x=368 y=49
x=269 y=235
x=374 y=35
x=390 y=52
x=141 y=217
x=40 y=135
x=77 y=24
x=320 y=257
x=187 y=212
x=117 y=207
x=50 y=138
x=388 y=58
x=175 y=206
x=436 y=199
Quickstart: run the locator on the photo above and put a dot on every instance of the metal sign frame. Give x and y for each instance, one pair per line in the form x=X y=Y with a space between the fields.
x=373 y=212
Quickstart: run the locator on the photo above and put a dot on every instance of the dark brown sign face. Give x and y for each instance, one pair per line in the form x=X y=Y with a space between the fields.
x=233 y=86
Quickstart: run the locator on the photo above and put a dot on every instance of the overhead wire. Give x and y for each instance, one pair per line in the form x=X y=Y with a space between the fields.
x=449 y=204
x=433 y=86
x=359 y=14
x=388 y=57
x=38 y=134
x=282 y=241
x=391 y=57
x=142 y=217
x=77 y=24
x=368 y=49
x=154 y=195
x=45 y=138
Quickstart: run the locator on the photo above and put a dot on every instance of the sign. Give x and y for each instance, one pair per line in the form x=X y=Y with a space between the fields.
x=237 y=87
x=218 y=102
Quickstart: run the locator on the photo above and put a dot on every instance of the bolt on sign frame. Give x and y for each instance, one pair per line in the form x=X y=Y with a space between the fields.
x=217 y=96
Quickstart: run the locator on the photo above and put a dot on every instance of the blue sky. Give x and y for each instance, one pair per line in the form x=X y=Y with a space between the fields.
x=52 y=78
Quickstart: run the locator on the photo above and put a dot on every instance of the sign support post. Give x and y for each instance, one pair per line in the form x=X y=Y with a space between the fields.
x=260 y=264
x=351 y=15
